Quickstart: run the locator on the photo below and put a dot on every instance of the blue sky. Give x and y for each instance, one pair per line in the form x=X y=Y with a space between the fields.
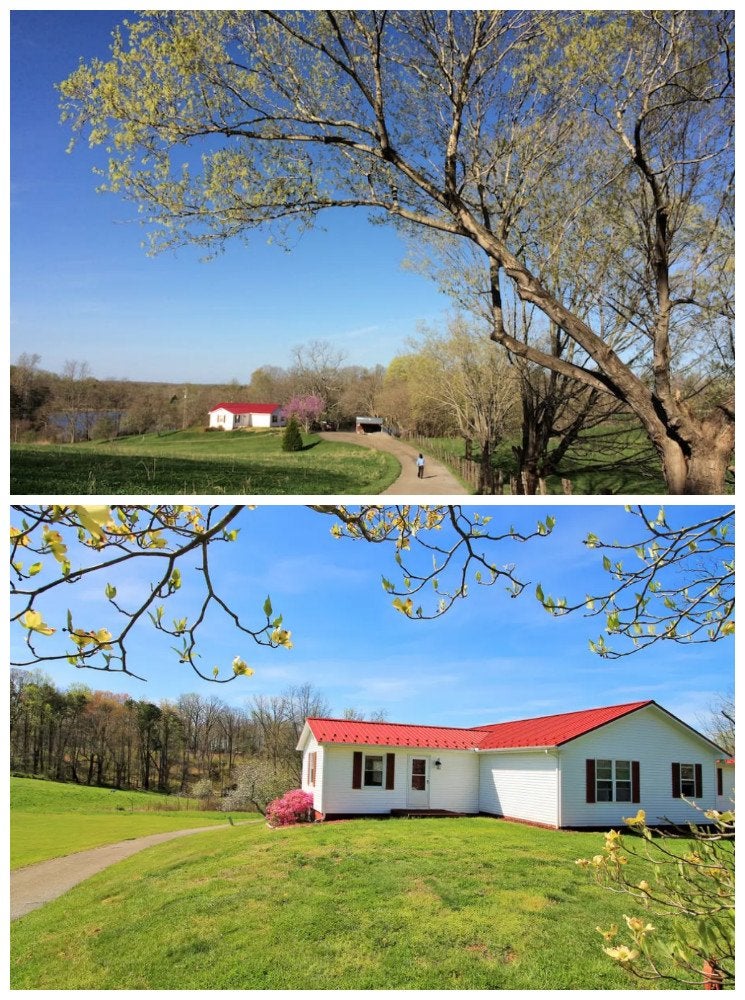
x=491 y=658
x=82 y=287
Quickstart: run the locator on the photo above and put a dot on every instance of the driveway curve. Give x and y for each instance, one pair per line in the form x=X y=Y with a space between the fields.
x=35 y=885
x=437 y=480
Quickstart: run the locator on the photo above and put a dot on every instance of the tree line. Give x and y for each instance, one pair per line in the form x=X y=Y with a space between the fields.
x=193 y=745
x=73 y=405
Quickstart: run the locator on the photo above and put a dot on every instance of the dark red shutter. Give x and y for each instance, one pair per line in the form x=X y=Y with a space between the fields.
x=390 y=770
x=357 y=769
x=676 y=781
x=720 y=781
x=635 y=784
x=589 y=781
x=699 y=782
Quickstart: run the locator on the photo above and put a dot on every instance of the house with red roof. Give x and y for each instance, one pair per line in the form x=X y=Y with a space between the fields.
x=240 y=416
x=589 y=768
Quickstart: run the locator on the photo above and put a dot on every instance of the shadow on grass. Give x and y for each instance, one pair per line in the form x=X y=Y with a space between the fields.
x=56 y=471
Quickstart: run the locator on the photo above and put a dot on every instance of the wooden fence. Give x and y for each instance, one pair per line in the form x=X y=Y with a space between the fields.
x=469 y=472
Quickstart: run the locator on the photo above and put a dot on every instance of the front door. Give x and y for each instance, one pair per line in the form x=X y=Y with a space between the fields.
x=418 y=796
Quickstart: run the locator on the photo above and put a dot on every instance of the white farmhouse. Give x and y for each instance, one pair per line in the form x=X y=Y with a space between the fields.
x=580 y=769
x=238 y=416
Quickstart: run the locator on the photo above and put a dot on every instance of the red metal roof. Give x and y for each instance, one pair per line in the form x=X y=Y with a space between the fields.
x=391 y=734
x=246 y=407
x=552 y=730
x=544 y=731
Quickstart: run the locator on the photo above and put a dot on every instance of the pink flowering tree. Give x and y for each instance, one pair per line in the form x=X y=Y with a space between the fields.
x=293 y=807
x=307 y=410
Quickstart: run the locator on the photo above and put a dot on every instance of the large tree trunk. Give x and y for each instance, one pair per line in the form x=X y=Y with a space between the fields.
x=697 y=463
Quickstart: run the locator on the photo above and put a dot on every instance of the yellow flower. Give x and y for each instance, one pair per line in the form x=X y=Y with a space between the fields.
x=241 y=668
x=282 y=637
x=33 y=621
x=637 y=925
x=638 y=820
x=622 y=954
x=609 y=934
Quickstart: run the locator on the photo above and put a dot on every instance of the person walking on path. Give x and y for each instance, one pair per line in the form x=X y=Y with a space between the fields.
x=420 y=466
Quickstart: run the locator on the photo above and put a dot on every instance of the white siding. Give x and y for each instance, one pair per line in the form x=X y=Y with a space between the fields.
x=454 y=786
x=221 y=418
x=656 y=741
x=726 y=800
x=520 y=784
x=315 y=790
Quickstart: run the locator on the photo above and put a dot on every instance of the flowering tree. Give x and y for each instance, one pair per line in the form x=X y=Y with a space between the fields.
x=645 y=605
x=293 y=807
x=307 y=410
x=694 y=883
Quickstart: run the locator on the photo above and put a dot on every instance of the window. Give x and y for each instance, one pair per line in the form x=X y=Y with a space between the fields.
x=374 y=771
x=312 y=759
x=688 y=781
x=603 y=780
x=623 y=781
x=613 y=780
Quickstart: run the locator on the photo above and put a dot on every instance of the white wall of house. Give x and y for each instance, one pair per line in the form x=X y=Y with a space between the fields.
x=656 y=741
x=316 y=789
x=726 y=800
x=520 y=784
x=453 y=786
x=225 y=420
x=221 y=419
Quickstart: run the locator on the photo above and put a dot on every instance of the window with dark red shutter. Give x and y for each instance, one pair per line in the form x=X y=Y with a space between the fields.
x=390 y=771
x=676 y=781
x=636 y=793
x=357 y=769
x=699 y=794
x=589 y=780
x=720 y=781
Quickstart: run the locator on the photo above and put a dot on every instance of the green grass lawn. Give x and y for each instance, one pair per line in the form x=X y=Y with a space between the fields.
x=609 y=460
x=401 y=904
x=49 y=819
x=197 y=462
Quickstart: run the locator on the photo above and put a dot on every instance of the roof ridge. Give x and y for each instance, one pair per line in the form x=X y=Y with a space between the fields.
x=574 y=711
x=385 y=722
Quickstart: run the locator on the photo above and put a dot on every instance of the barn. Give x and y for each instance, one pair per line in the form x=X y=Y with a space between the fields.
x=582 y=769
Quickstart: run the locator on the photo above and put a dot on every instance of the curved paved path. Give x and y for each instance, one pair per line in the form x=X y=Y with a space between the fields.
x=35 y=885
x=437 y=481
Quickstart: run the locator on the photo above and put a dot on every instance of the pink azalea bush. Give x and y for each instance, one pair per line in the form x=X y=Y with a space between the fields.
x=293 y=807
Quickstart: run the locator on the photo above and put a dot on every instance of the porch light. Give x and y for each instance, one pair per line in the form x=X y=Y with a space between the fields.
x=438 y=763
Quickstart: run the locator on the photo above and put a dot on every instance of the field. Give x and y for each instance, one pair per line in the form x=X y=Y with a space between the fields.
x=49 y=820
x=198 y=462
x=365 y=904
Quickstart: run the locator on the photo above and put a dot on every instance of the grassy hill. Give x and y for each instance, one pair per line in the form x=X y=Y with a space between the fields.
x=49 y=819
x=366 y=904
x=199 y=462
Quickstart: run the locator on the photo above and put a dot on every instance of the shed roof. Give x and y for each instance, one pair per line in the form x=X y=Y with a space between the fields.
x=246 y=407
x=543 y=731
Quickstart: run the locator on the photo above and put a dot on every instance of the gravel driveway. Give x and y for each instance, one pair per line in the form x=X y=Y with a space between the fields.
x=35 y=885
x=437 y=481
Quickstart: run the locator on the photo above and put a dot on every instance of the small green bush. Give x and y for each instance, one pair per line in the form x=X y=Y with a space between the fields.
x=291 y=438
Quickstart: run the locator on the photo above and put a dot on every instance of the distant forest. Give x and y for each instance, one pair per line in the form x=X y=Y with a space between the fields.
x=74 y=406
x=192 y=745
